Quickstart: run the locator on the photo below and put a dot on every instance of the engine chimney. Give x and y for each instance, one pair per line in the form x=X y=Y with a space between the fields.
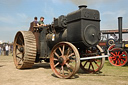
x=120 y=29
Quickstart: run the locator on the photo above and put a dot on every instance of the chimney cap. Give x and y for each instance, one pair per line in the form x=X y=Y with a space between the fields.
x=82 y=6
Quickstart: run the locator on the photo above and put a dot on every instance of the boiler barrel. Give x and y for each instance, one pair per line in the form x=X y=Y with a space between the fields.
x=53 y=39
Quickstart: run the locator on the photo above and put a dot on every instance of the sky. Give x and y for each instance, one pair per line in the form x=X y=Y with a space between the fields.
x=16 y=15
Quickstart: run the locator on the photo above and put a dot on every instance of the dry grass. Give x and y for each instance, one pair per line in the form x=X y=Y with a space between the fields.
x=41 y=74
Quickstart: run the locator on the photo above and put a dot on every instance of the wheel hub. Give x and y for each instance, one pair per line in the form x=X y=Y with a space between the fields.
x=61 y=60
x=21 y=49
x=117 y=56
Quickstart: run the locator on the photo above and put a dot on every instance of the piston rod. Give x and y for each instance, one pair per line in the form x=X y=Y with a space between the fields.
x=94 y=57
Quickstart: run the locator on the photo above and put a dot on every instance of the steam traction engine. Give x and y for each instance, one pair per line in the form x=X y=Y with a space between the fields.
x=118 y=50
x=68 y=43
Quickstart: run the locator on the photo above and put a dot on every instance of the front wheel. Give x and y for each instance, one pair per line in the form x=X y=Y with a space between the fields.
x=118 y=56
x=64 y=60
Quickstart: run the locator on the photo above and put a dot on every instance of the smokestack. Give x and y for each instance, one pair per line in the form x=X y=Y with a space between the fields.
x=120 y=29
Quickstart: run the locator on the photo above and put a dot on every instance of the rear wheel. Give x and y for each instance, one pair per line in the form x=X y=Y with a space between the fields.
x=64 y=60
x=24 y=49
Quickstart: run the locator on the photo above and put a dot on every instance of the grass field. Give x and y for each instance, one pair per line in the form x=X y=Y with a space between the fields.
x=41 y=74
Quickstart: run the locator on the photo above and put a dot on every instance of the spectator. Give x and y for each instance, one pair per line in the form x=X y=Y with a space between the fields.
x=7 y=50
x=4 y=51
x=0 y=50
x=113 y=36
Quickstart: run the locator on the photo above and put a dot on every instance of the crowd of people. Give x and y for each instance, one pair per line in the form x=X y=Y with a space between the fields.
x=6 y=49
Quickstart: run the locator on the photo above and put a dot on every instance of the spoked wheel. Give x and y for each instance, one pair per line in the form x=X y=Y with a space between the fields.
x=24 y=52
x=118 y=57
x=93 y=65
x=64 y=60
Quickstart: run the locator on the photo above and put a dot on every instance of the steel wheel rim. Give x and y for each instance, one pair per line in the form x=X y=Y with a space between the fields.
x=66 y=63
x=18 y=59
x=118 y=58
x=93 y=65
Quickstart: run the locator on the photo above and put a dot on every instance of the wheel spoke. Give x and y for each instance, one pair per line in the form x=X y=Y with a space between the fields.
x=72 y=60
x=68 y=50
x=19 y=61
x=18 y=57
x=92 y=66
x=18 y=53
x=121 y=53
x=62 y=70
x=113 y=53
x=56 y=54
x=69 y=66
x=55 y=59
x=89 y=66
x=119 y=62
x=18 y=45
x=21 y=40
x=123 y=56
x=122 y=60
x=56 y=64
x=118 y=52
x=112 y=57
x=96 y=63
x=116 y=62
x=85 y=63
x=63 y=50
x=71 y=55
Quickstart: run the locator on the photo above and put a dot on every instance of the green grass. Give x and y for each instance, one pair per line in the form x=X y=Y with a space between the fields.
x=109 y=70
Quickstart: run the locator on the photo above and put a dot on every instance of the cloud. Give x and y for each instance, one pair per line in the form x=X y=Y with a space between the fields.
x=10 y=19
x=10 y=3
x=112 y=13
x=21 y=15
x=6 y=19
x=87 y=2
x=9 y=25
x=110 y=19
x=56 y=1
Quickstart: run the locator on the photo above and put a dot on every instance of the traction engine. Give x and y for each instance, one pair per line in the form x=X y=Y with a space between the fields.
x=68 y=43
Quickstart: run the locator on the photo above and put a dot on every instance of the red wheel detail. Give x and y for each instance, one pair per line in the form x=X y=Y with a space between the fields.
x=117 y=57
x=111 y=47
x=93 y=65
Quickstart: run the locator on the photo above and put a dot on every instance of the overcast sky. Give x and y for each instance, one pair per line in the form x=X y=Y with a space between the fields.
x=16 y=15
